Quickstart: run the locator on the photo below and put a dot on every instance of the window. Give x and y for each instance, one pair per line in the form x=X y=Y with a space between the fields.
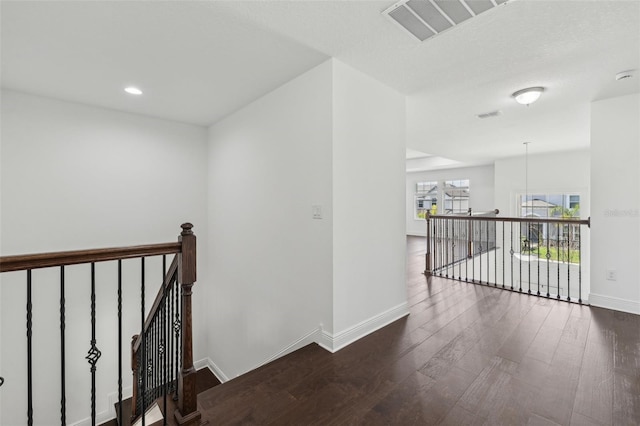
x=561 y=206
x=456 y=196
x=426 y=198
x=444 y=197
x=552 y=241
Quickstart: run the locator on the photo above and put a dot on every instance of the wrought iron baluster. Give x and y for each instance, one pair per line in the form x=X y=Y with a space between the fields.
x=459 y=257
x=480 y=251
x=29 y=352
x=446 y=246
x=163 y=319
x=472 y=251
x=558 y=256
x=143 y=346
x=579 y=265
x=529 y=256
x=452 y=243
x=467 y=253
x=442 y=245
x=511 y=250
x=439 y=247
x=520 y=259
x=503 y=263
x=495 y=253
x=120 y=418
x=176 y=329
x=156 y=354
x=63 y=393
x=170 y=336
x=548 y=256
x=94 y=353
x=486 y=249
x=538 y=228
x=152 y=359
x=568 y=262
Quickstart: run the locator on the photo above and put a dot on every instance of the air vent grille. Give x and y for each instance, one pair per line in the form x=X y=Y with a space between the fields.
x=424 y=19
x=490 y=114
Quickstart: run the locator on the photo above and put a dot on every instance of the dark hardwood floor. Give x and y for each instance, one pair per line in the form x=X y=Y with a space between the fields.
x=467 y=355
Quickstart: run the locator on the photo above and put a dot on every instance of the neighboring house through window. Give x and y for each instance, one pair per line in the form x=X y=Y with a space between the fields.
x=441 y=197
x=550 y=206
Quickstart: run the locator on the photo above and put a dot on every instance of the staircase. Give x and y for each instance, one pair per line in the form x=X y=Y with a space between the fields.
x=205 y=380
x=162 y=351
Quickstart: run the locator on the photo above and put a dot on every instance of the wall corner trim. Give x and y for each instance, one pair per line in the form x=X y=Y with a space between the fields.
x=615 y=303
x=333 y=343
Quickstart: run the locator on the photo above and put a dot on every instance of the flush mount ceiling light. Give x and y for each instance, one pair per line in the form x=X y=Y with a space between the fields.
x=133 y=90
x=528 y=96
x=625 y=74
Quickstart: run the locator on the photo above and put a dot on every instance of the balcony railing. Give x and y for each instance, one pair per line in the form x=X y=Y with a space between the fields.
x=540 y=256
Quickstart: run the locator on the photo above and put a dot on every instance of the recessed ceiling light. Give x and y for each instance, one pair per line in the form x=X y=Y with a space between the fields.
x=528 y=96
x=133 y=90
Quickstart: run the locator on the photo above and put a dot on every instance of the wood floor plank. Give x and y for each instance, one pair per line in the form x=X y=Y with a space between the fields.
x=626 y=399
x=594 y=395
x=555 y=400
x=516 y=346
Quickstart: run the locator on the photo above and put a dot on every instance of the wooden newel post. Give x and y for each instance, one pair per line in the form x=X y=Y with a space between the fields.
x=187 y=412
x=427 y=265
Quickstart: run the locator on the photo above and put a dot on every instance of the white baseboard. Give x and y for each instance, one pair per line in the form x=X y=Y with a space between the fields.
x=334 y=343
x=308 y=338
x=416 y=234
x=208 y=363
x=614 y=303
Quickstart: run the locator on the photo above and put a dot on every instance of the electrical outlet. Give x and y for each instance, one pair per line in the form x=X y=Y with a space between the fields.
x=612 y=275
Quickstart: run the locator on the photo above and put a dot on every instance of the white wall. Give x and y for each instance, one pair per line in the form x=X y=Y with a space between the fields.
x=615 y=204
x=368 y=179
x=558 y=172
x=481 y=194
x=332 y=137
x=270 y=260
x=73 y=177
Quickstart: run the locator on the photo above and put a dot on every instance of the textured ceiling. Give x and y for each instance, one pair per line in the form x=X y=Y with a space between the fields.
x=573 y=48
x=199 y=61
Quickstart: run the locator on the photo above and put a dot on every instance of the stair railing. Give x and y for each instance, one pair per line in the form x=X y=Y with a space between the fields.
x=151 y=348
x=162 y=354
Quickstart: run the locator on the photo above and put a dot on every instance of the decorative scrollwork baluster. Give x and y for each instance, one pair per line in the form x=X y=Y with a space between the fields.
x=94 y=353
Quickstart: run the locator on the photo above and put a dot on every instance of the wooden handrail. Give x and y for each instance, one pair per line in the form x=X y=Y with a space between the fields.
x=512 y=219
x=46 y=260
x=169 y=279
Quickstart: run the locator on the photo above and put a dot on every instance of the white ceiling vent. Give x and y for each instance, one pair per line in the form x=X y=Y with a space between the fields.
x=425 y=18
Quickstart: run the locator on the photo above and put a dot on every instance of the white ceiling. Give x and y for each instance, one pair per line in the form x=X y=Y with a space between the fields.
x=199 y=61
x=194 y=62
